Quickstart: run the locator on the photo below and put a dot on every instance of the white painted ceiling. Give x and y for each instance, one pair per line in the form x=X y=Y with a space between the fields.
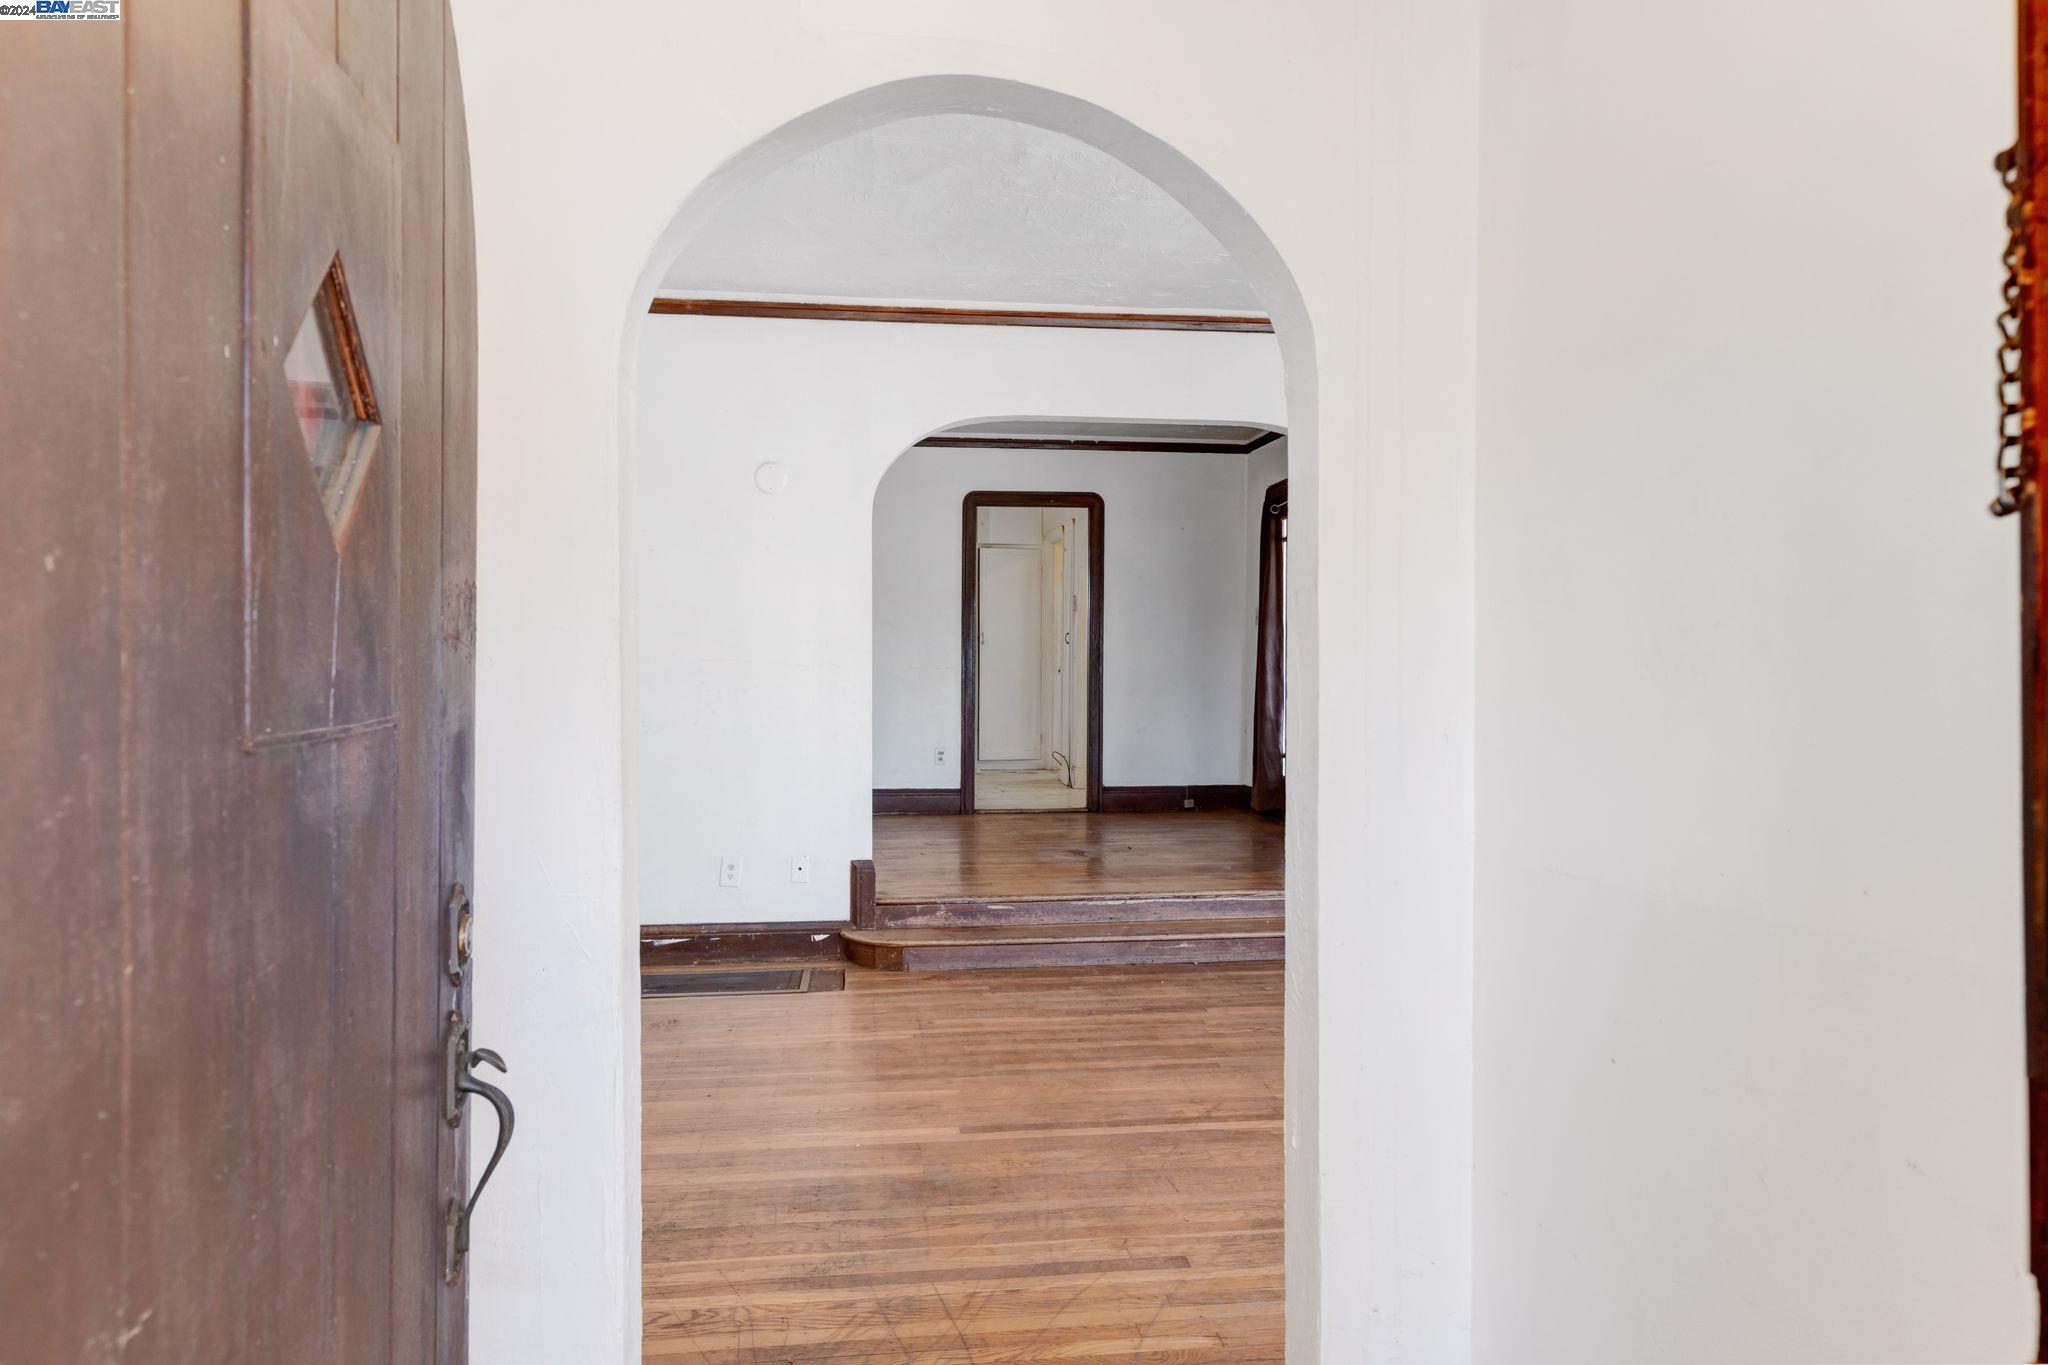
x=965 y=209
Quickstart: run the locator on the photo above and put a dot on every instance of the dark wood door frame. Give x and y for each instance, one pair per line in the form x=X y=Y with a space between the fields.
x=970 y=627
x=1269 y=683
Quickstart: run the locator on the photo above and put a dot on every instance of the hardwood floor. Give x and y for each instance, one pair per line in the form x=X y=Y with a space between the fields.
x=999 y=789
x=1020 y=1166
x=1075 y=854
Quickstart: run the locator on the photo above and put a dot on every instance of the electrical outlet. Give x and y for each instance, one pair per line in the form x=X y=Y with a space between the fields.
x=800 y=869
x=729 y=868
x=1187 y=803
x=939 y=756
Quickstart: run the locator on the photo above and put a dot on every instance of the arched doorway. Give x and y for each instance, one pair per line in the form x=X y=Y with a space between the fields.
x=796 y=484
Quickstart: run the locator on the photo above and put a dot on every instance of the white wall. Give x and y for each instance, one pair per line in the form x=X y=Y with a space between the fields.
x=1175 y=610
x=1749 y=1049
x=754 y=657
x=1749 y=981
x=1348 y=188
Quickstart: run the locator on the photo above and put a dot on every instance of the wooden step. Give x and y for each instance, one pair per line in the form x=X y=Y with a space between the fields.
x=960 y=912
x=1219 y=939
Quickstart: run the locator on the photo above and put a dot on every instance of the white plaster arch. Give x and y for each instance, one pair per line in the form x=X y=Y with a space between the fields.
x=1281 y=298
x=991 y=97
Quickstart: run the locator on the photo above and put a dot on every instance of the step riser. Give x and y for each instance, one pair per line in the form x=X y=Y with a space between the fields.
x=965 y=956
x=964 y=914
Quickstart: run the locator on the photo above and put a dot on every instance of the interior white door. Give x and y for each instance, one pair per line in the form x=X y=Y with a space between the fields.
x=1058 y=742
x=1009 y=669
x=1073 y=615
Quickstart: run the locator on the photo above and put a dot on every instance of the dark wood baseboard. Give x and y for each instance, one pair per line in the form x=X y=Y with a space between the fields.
x=1120 y=800
x=705 y=945
x=1127 y=800
x=978 y=912
x=917 y=800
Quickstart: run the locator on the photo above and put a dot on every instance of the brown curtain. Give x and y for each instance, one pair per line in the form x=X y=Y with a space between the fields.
x=1269 y=699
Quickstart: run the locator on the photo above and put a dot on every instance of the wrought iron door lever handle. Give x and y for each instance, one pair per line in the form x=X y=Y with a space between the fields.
x=468 y=1083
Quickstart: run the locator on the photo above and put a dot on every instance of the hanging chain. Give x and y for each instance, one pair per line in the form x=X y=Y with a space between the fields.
x=2012 y=411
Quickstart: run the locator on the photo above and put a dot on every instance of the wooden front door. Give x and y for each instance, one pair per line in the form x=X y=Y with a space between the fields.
x=2020 y=491
x=237 y=351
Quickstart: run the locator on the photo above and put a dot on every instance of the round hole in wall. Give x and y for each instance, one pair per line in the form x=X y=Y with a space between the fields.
x=771 y=477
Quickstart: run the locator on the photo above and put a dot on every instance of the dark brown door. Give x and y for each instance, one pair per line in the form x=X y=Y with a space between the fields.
x=2020 y=492
x=1269 y=679
x=236 y=607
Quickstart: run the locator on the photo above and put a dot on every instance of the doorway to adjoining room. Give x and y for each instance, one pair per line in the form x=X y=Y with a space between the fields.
x=1121 y=658
x=1030 y=674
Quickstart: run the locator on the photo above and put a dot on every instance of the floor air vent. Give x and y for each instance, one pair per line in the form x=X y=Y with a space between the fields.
x=768 y=981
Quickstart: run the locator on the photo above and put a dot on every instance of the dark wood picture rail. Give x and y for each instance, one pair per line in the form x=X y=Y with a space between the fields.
x=1095 y=443
x=968 y=317
x=970 y=627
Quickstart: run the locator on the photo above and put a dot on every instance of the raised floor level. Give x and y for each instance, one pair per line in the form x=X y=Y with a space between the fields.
x=1072 y=888
x=1030 y=890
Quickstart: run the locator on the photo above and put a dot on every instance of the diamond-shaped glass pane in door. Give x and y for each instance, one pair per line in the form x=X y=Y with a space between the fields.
x=332 y=398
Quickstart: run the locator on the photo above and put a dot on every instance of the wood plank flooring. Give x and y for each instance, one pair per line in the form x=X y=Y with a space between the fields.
x=1001 y=789
x=1018 y=1166
x=1075 y=854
